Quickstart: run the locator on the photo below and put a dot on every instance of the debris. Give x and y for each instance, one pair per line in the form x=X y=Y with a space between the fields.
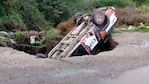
x=41 y=55
x=131 y=27
x=32 y=39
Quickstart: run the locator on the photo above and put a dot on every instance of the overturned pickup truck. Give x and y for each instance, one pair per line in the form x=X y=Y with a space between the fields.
x=91 y=31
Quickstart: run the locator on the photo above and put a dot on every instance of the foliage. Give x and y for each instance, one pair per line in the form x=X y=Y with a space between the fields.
x=31 y=15
x=141 y=2
x=10 y=19
x=18 y=37
x=22 y=15
x=44 y=14
x=2 y=7
x=117 y=3
x=4 y=41
x=39 y=43
x=54 y=10
x=140 y=29
x=87 y=5
x=53 y=34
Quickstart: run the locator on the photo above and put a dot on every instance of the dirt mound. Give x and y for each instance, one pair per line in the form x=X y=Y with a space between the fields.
x=132 y=16
x=66 y=26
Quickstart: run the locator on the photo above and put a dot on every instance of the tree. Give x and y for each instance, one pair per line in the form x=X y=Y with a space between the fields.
x=2 y=7
x=54 y=10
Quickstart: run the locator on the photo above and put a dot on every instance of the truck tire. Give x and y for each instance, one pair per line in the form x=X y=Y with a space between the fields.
x=99 y=19
x=76 y=17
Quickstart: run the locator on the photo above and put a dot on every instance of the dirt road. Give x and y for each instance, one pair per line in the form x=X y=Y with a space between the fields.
x=20 y=68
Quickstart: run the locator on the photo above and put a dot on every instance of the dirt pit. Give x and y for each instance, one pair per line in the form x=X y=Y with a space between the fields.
x=42 y=52
x=37 y=50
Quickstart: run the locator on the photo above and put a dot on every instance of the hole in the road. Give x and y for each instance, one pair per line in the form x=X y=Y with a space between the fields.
x=80 y=51
x=38 y=51
x=101 y=47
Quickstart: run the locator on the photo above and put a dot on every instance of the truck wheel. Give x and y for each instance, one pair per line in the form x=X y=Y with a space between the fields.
x=76 y=17
x=99 y=19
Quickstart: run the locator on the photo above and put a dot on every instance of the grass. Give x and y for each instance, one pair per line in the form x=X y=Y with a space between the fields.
x=139 y=29
x=17 y=36
x=53 y=34
x=116 y=31
x=3 y=41
x=135 y=29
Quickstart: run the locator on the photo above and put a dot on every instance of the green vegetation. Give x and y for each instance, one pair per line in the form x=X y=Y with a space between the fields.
x=18 y=17
x=4 y=41
x=18 y=36
x=139 y=29
x=31 y=14
x=87 y=5
x=53 y=34
x=44 y=15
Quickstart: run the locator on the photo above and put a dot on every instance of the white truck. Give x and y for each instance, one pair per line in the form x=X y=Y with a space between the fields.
x=91 y=31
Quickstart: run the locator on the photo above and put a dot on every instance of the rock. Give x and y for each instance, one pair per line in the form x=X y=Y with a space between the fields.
x=10 y=33
x=4 y=41
x=12 y=41
x=3 y=33
x=40 y=55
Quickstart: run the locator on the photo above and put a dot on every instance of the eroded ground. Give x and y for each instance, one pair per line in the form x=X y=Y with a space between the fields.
x=132 y=52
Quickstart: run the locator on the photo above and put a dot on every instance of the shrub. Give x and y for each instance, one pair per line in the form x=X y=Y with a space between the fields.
x=87 y=5
x=54 y=10
x=117 y=3
x=31 y=15
x=52 y=34
x=18 y=37
x=142 y=29
x=4 y=41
